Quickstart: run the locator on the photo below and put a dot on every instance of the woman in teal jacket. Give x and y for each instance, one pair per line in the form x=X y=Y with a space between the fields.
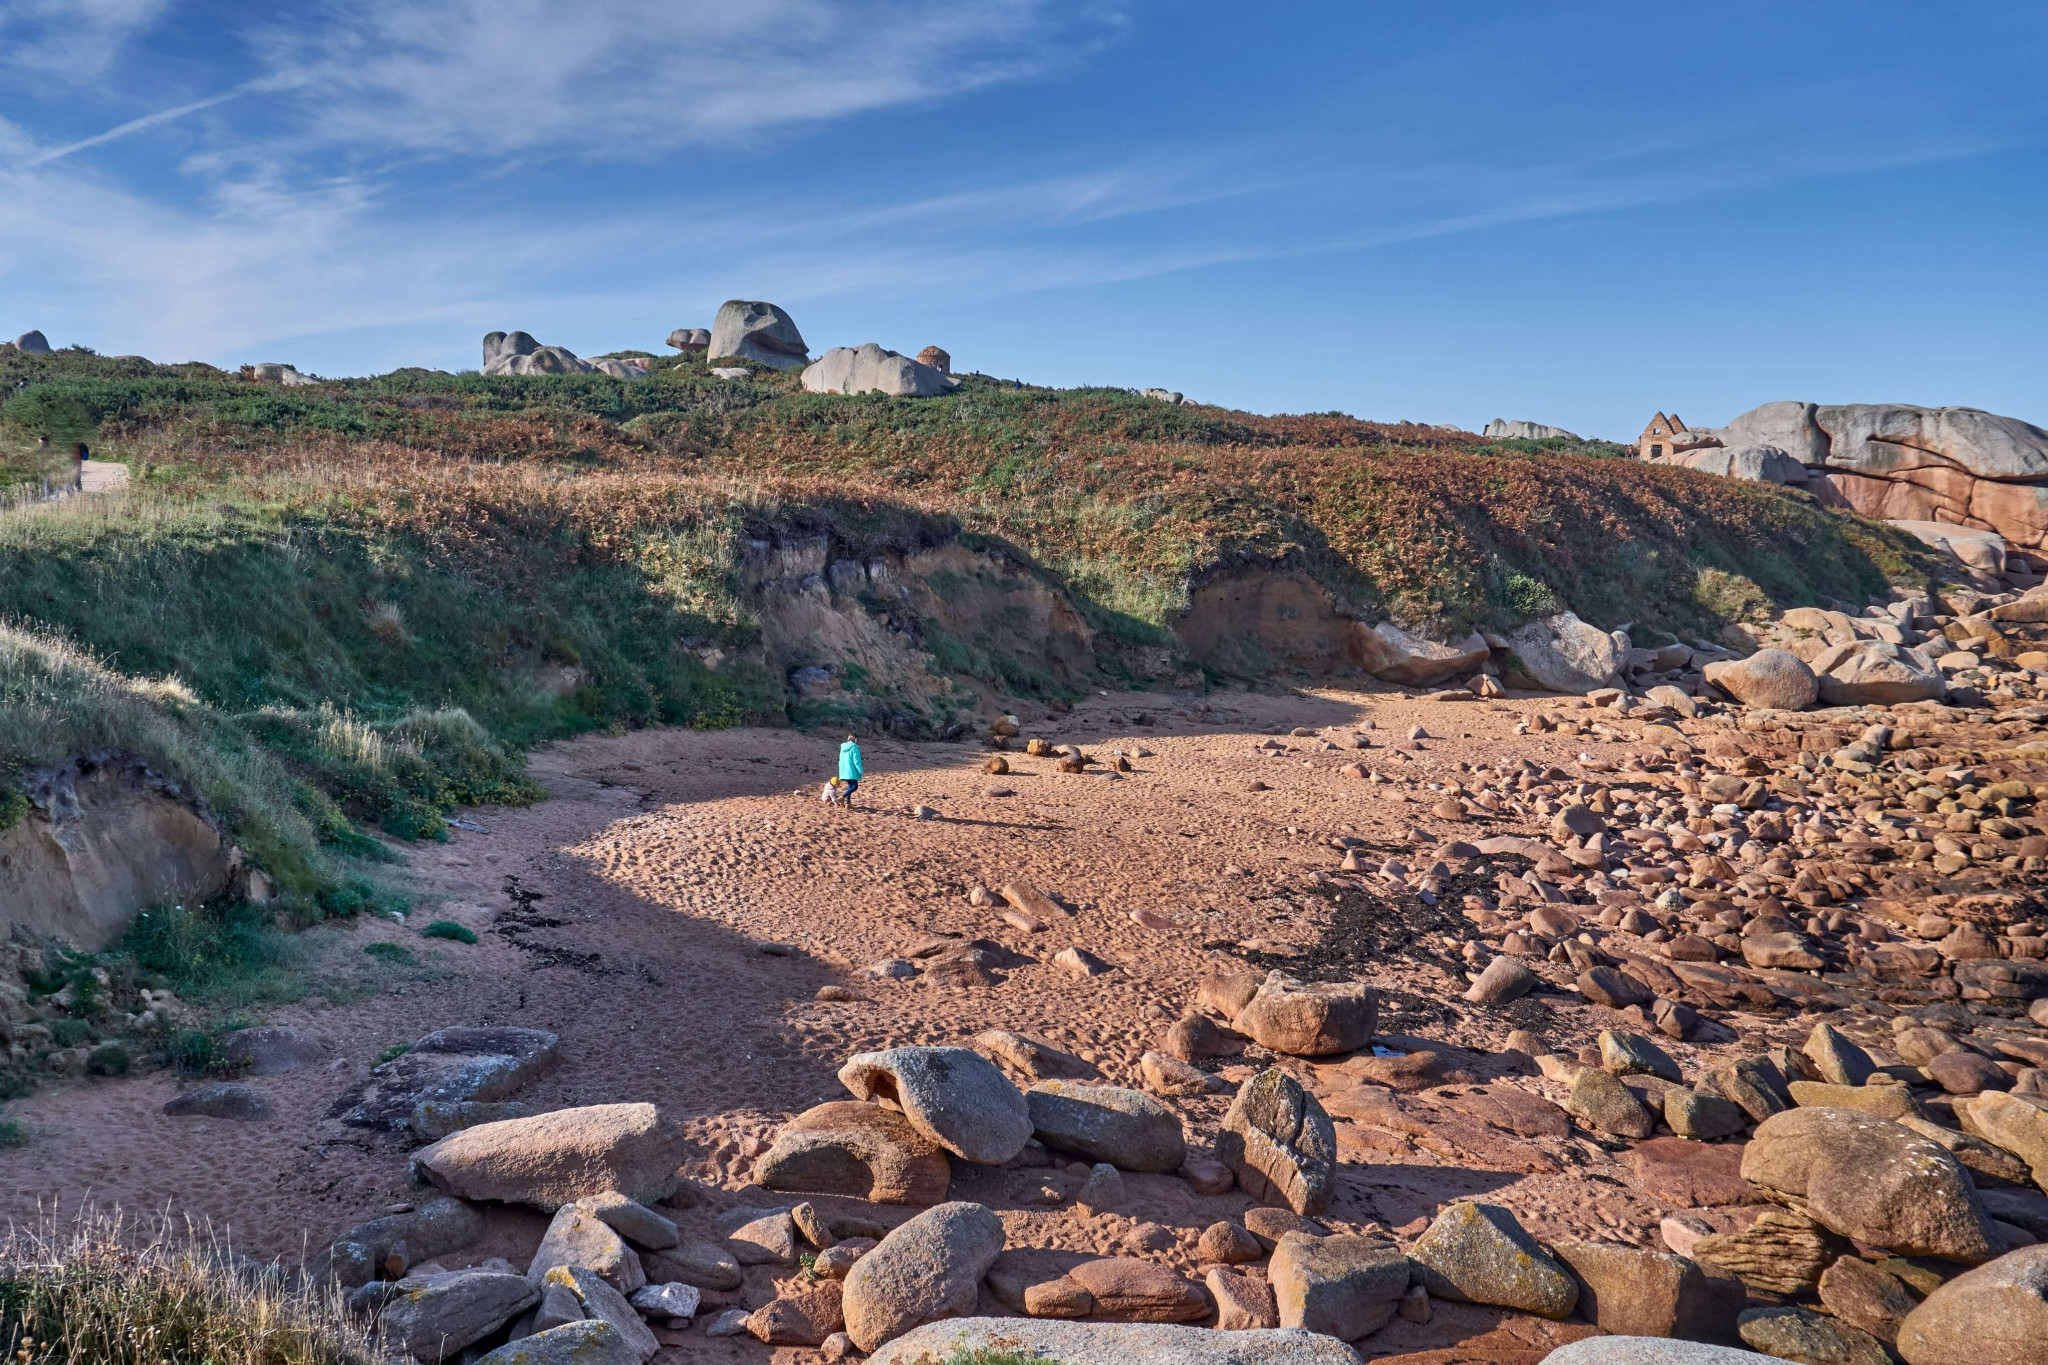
x=849 y=769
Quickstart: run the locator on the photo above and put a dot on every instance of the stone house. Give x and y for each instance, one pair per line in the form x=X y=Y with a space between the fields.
x=1664 y=436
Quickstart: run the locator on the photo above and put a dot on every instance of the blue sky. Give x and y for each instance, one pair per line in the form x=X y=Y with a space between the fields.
x=1575 y=213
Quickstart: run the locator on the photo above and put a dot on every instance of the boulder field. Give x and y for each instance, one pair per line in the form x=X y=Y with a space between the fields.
x=1303 y=1028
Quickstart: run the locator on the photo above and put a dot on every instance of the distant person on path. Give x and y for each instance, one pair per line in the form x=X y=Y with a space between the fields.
x=850 y=770
x=79 y=457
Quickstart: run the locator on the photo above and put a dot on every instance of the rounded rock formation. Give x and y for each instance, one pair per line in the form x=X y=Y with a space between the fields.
x=747 y=329
x=862 y=1151
x=1771 y=678
x=953 y=1095
x=1873 y=1180
x=870 y=369
x=929 y=1268
x=1304 y=1019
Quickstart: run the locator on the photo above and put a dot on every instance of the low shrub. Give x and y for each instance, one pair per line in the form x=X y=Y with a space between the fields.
x=449 y=929
x=230 y=954
x=70 y=1032
x=396 y=953
x=108 y=1059
x=196 y=1052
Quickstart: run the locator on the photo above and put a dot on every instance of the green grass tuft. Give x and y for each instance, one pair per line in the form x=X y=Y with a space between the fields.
x=229 y=954
x=449 y=929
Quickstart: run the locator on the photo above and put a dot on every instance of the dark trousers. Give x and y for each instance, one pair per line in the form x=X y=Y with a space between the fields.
x=846 y=797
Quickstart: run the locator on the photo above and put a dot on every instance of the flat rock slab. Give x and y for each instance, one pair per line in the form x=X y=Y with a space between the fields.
x=1106 y=1343
x=558 y=1157
x=225 y=1100
x=449 y=1065
x=1692 y=1175
x=272 y=1050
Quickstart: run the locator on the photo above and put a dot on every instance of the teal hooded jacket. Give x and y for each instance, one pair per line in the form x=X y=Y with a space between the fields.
x=849 y=762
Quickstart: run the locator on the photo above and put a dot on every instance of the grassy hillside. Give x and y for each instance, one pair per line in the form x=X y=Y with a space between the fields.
x=385 y=588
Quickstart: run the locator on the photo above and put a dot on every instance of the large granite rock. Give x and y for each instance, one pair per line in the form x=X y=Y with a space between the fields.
x=1877 y=673
x=1871 y=1179
x=1309 y=1019
x=1280 y=1143
x=1344 y=1286
x=448 y=1066
x=760 y=332
x=929 y=1268
x=1126 y=1128
x=385 y=1248
x=870 y=369
x=272 y=1050
x=1637 y=1291
x=556 y=1158
x=2014 y=1122
x=1799 y=1334
x=1898 y=462
x=1973 y=547
x=32 y=342
x=1773 y=678
x=1561 y=653
x=1757 y=464
x=1478 y=1253
x=1106 y=1343
x=1502 y=429
x=1142 y=1291
x=1388 y=652
x=953 y=1095
x=432 y=1319
x=703 y=1264
x=519 y=353
x=1599 y=1099
x=1996 y=1314
x=861 y=1151
x=1866 y=1297
x=1998 y=979
x=578 y=1237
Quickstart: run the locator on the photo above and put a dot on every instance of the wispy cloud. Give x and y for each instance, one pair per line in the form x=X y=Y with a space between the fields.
x=54 y=43
x=483 y=77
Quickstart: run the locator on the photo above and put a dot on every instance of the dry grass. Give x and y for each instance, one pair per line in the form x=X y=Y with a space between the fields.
x=102 y=1290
